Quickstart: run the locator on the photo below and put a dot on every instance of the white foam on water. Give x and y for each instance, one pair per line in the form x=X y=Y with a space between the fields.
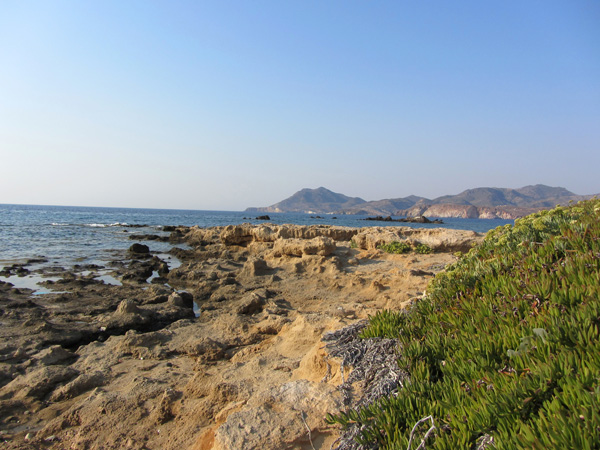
x=106 y=225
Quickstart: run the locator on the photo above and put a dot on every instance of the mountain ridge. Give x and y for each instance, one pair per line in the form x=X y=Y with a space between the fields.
x=312 y=201
x=482 y=202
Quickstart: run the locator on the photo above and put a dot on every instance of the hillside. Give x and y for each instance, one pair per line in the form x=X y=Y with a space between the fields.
x=383 y=207
x=526 y=197
x=502 y=352
x=483 y=202
x=312 y=201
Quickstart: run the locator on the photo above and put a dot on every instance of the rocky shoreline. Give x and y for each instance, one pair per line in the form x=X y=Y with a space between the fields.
x=415 y=219
x=223 y=352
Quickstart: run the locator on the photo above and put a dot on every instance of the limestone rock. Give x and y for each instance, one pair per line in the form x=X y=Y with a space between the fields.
x=255 y=267
x=251 y=304
x=322 y=246
x=439 y=239
x=37 y=383
x=164 y=410
x=181 y=300
x=54 y=355
x=128 y=307
x=279 y=417
x=139 y=249
x=244 y=234
x=78 y=386
x=206 y=349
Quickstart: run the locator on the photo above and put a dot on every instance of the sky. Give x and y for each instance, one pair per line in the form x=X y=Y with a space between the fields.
x=223 y=105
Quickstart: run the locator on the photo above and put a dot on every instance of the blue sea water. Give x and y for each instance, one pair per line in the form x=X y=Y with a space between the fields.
x=66 y=235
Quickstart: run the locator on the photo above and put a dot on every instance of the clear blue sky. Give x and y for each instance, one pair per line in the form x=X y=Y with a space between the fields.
x=229 y=104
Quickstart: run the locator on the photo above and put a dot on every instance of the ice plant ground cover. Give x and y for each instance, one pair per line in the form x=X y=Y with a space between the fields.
x=503 y=352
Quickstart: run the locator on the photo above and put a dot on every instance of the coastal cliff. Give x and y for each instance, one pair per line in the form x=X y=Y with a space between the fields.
x=467 y=211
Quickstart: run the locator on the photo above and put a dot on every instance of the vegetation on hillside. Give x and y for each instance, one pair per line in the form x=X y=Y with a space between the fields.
x=504 y=351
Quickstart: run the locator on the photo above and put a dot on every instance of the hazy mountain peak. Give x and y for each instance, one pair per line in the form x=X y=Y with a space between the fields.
x=319 y=200
x=322 y=200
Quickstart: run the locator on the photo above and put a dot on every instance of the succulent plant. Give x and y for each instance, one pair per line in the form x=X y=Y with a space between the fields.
x=505 y=346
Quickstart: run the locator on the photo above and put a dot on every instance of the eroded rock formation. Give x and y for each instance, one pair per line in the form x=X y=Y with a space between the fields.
x=132 y=366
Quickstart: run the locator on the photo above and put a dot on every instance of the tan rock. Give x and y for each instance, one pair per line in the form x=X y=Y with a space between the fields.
x=83 y=383
x=37 y=383
x=249 y=372
x=279 y=417
x=128 y=307
x=54 y=355
x=322 y=246
x=255 y=267
x=439 y=239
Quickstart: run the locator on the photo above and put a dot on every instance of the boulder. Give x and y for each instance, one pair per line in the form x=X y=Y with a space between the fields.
x=255 y=267
x=140 y=249
x=251 y=304
x=128 y=307
x=181 y=300
x=54 y=355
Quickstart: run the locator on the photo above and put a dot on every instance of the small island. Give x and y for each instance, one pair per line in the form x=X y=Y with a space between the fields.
x=417 y=219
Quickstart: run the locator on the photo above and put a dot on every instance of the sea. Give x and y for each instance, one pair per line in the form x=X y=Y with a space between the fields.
x=73 y=236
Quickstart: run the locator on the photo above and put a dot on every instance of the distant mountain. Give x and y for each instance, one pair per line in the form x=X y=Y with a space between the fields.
x=312 y=201
x=382 y=207
x=526 y=197
x=484 y=202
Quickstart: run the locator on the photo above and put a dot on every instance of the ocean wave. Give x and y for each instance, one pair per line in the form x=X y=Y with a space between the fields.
x=56 y=224
x=105 y=225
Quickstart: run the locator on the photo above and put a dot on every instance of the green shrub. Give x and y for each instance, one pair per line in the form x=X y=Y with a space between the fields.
x=506 y=343
x=395 y=247
x=423 y=249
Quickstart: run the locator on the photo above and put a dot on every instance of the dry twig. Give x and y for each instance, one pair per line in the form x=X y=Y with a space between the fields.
x=412 y=433
x=308 y=429
x=374 y=370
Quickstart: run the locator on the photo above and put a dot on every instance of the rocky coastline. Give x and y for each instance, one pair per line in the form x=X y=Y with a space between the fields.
x=412 y=219
x=468 y=211
x=223 y=352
